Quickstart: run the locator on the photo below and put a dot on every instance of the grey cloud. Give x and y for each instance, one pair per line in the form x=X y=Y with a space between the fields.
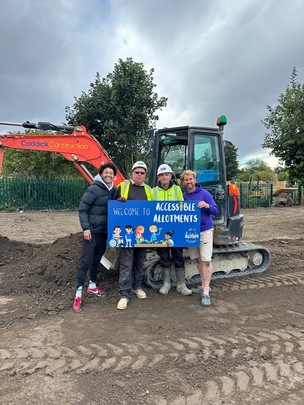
x=210 y=58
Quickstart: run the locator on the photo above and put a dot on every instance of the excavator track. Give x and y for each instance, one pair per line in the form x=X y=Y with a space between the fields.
x=228 y=261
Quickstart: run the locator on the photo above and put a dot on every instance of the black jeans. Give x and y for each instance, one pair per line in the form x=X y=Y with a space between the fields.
x=168 y=255
x=92 y=252
x=131 y=270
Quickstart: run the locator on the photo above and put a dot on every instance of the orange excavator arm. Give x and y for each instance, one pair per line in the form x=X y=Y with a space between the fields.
x=75 y=144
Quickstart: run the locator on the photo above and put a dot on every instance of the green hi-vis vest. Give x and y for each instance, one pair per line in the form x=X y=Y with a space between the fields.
x=173 y=193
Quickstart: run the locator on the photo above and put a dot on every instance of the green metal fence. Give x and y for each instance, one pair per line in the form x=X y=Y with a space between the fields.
x=33 y=194
x=261 y=195
x=37 y=194
x=255 y=195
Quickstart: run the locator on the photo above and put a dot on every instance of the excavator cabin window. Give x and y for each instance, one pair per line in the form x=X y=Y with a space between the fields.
x=206 y=159
x=192 y=148
x=173 y=150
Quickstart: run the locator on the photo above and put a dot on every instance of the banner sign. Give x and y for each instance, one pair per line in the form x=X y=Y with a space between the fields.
x=153 y=224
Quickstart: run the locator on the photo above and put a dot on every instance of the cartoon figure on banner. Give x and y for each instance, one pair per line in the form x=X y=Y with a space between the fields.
x=117 y=236
x=139 y=234
x=168 y=238
x=153 y=229
x=129 y=236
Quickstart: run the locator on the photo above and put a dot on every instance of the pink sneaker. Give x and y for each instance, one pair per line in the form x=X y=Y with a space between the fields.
x=97 y=291
x=77 y=304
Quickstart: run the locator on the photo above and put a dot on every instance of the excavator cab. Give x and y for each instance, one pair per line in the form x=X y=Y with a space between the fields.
x=200 y=149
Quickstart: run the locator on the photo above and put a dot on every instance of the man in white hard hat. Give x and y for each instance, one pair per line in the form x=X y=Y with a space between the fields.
x=132 y=259
x=167 y=190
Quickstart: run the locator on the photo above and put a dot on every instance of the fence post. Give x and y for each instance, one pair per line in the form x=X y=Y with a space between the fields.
x=300 y=195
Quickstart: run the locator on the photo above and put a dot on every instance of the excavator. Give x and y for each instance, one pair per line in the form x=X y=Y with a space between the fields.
x=187 y=147
x=74 y=143
x=202 y=149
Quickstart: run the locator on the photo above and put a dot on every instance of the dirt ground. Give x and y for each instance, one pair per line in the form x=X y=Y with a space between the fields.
x=248 y=348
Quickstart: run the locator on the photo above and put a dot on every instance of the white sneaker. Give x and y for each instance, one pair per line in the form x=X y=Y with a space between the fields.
x=140 y=294
x=122 y=303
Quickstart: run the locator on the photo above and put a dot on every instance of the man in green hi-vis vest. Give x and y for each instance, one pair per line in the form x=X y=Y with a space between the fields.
x=167 y=190
x=132 y=258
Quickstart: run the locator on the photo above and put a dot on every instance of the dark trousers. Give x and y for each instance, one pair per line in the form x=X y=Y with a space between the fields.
x=169 y=255
x=131 y=270
x=92 y=252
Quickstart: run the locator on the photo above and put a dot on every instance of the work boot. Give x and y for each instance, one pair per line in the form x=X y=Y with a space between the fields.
x=122 y=303
x=180 y=282
x=166 y=280
x=140 y=293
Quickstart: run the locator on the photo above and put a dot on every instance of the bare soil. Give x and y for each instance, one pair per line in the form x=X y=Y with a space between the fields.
x=248 y=348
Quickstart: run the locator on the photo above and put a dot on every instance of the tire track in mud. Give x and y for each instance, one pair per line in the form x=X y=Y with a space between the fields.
x=263 y=282
x=258 y=377
x=272 y=374
x=278 y=380
x=138 y=356
x=277 y=383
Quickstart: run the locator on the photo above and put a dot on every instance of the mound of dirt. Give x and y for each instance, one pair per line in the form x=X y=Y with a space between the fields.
x=45 y=273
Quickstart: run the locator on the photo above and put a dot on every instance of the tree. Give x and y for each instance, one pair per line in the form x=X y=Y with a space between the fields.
x=285 y=122
x=118 y=110
x=282 y=173
x=256 y=166
x=232 y=166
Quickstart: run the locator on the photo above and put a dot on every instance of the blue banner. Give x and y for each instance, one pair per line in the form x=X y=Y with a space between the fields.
x=153 y=224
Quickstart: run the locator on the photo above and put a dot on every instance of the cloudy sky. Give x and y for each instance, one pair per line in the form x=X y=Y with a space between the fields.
x=211 y=57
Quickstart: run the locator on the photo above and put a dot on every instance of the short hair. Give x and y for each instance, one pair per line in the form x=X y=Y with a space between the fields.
x=188 y=173
x=107 y=166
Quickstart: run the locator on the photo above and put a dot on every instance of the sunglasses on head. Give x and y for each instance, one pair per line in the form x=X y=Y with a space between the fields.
x=142 y=173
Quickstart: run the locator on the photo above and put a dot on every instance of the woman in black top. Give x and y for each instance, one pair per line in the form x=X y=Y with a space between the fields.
x=93 y=215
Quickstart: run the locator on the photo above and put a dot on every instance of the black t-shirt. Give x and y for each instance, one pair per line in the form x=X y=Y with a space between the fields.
x=137 y=193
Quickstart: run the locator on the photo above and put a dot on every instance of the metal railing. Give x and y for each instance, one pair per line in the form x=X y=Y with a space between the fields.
x=253 y=195
x=62 y=194
x=261 y=195
x=38 y=194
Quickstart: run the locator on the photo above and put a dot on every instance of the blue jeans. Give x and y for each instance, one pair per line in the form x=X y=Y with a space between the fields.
x=92 y=252
x=131 y=270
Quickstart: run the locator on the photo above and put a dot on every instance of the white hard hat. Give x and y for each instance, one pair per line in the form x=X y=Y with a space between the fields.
x=164 y=169
x=139 y=164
